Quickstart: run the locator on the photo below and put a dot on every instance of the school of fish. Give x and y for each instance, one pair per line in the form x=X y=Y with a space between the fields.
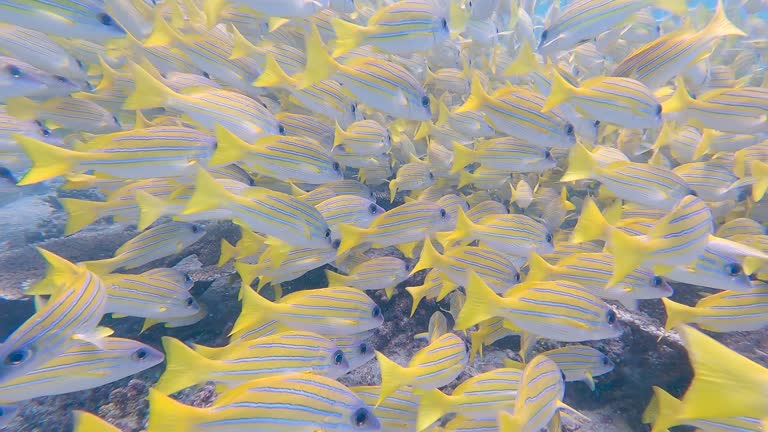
x=546 y=165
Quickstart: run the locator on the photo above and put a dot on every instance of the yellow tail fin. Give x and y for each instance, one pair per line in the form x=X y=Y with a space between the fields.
x=248 y=272
x=720 y=26
x=581 y=164
x=661 y=411
x=348 y=36
x=462 y=156
x=184 y=367
x=320 y=66
x=230 y=148
x=677 y=7
x=477 y=96
x=632 y=250
x=148 y=93
x=212 y=10
x=524 y=63
x=81 y=213
x=677 y=314
x=429 y=257
x=162 y=33
x=351 y=236
x=335 y=279
x=509 y=422
x=433 y=405
x=393 y=376
x=87 y=422
x=48 y=161
x=208 y=195
x=591 y=225
x=273 y=75
x=725 y=383
x=166 y=414
x=481 y=303
x=560 y=92
x=256 y=310
x=760 y=173
x=680 y=100
x=241 y=47
x=417 y=293
x=227 y=253
x=538 y=268
x=151 y=208
x=22 y=108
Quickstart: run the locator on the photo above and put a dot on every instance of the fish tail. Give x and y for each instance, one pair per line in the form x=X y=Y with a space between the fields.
x=48 y=161
x=335 y=279
x=477 y=96
x=725 y=383
x=256 y=309
x=464 y=227
x=230 y=148
x=103 y=266
x=151 y=208
x=348 y=36
x=538 y=268
x=760 y=173
x=591 y=224
x=629 y=252
x=248 y=273
x=148 y=93
x=509 y=422
x=720 y=25
x=162 y=33
x=661 y=411
x=560 y=93
x=60 y=270
x=428 y=258
x=677 y=314
x=702 y=148
x=462 y=156
x=393 y=376
x=581 y=164
x=677 y=7
x=241 y=47
x=392 y=190
x=208 y=194
x=338 y=135
x=320 y=66
x=80 y=213
x=418 y=293
x=227 y=253
x=273 y=75
x=212 y=10
x=433 y=405
x=184 y=367
x=465 y=178
x=680 y=99
x=446 y=289
x=480 y=305
x=524 y=63
x=476 y=343
x=87 y=422
x=351 y=236
x=423 y=130
x=22 y=108
x=166 y=414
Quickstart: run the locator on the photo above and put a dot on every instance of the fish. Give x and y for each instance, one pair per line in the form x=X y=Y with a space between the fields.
x=382 y=273
x=83 y=365
x=85 y=421
x=725 y=311
x=504 y=154
x=331 y=311
x=580 y=363
x=41 y=51
x=159 y=242
x=285 y=353
x=433 y=366
x=67 y=112
x=269 y=404
x=556 y=310
x=70 y=19
x=396 y=412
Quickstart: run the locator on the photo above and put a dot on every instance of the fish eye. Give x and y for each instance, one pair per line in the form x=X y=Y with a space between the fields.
x=656 y=281
x=469 y=4
x=444 y=24
x=606 y=360
x=205 y=75
x=17 y=357
x=425 y=101
x=376 y=312
x=45 y=131
x=569 y=129
x=693 y=192
x=190 y=301
x=187 y=278
x=60 y=78
x=443 y=213
x=116 y=120
x=196 y=228
x=354 y=108
x=328 y=233
x=281 y=129
x=611 y=316
x=547 y=154
x=373 y=209
x=408 y=267
x=13 y=71
x=336 y=167
x=658 y=28
x=338 y=357
x=658 y=109
x=548 y=238
x=79 y=64
x=336 y=243
x=106 y=20
x=140 y=354
x=544 y=35
x=361 y=417
x=733 y=269
x=596 y=124
x=517 y=277
x=431 y=176
x=363 y=348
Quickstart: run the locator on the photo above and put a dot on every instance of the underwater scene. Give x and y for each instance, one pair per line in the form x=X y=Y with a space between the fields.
x=383 y=215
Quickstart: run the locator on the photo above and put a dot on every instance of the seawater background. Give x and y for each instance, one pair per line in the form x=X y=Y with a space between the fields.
x=37 y=220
